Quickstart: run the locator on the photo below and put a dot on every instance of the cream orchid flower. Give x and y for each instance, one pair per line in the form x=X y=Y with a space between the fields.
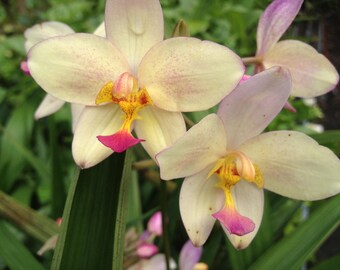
x=312 y=73
x=34 y=35
x=134 y=75
x=226 y=162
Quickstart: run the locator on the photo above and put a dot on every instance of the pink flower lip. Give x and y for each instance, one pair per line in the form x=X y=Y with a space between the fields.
x=120 y=141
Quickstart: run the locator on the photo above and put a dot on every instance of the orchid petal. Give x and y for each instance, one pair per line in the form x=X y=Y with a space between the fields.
x=100 y=30
x=199 y=148
x=120 y=141
x=312 y=73
x=294 y=165
x=75 y=67
x=159 y=128
x=134 y=26
x=233 y=221
x=249 y=202
x=76 y=111
x=155 y=224
x=248 y=110
x=42 y=31
x=275 y=20
x=48 y=106
x=146 y=250
x=189 y=256
x=87 y=150
x=187 y=74
x=199 y=199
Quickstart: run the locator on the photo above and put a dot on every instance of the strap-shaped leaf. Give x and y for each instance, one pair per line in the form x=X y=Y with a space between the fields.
x=14 y=253
x=293 y=250
x=93 y=227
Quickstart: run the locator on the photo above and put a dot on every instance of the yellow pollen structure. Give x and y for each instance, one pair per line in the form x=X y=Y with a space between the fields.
x=130 y=99
x=231 y=169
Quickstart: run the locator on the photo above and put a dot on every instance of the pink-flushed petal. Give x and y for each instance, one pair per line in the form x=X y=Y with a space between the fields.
x=100 y=30
x=294 y=165
x=146 y=250
x=189 y=256
x=76 y=110
x=274 y=21
x=159 y=128
x=199 y=148
x=249 y=202
x=187 y=74
x=312 y=73
x=157 y=262
x=102 y=120
x=155 y=224
x=48 y=106
x=120 y=141
x=75 y=67
x=134 y=26
x=248 y=110
x=42 y=31
x=234 y=222
x=24 y=68
x=198 y=201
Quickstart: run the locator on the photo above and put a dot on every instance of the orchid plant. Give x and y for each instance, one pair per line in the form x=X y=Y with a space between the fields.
x=148 y=108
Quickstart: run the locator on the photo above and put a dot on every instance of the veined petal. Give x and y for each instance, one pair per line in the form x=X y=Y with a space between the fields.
x=248 y=110
x=189 y=256
x=312 y=73
x=199 y=148
x=199 y=200
x=100 y=31
x=294 y=165
x=134 y=26
x=75 y=67
x=48 y=106
x=249 y=202
x=102 y=120
x=159 y=128
x=274 y=21
x=187 y=74
x=42 y=31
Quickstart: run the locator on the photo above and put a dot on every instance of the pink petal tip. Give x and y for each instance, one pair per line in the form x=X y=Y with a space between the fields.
x=146 y=250
x=289 y=107
x=155 y=224
x=24 y=68
x=119 y=141
x=234 y=222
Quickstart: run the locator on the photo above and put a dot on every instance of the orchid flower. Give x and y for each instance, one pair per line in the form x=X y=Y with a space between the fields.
x=226 y=162
x=312 y=73
x=34 y=35
x=132 y=75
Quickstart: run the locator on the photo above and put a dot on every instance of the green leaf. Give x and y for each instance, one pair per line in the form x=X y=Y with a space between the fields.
x=14 y=253
x=329 y=264
x=93 y=227
x=293 y=250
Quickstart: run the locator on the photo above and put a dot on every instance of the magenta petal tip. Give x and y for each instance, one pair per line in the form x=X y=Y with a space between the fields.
x=120 y=141
x=234 y=222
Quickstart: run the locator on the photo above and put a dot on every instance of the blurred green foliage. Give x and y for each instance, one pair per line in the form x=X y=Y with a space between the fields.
x=36 y=165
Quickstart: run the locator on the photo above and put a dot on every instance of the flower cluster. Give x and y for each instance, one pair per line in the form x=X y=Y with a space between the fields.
x=126 y=78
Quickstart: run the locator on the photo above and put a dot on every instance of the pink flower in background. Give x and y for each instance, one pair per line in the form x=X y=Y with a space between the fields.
x=312 y=73
x=227 y=162
x=139 y=81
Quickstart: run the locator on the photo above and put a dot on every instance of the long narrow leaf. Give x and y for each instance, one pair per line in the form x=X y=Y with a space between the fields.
x=14 y=253
x=94 y=217
x=293 y=250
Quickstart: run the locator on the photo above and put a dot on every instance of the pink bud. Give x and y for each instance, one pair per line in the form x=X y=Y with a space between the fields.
x=24 y=68
x=146 y=250
x=58 y=221
x=155 y=224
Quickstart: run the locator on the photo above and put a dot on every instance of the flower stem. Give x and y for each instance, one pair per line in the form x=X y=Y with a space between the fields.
x=166 y=242
x=251 y=60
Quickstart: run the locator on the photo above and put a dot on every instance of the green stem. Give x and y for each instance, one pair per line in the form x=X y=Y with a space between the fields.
x=252 y=60
x=26 y=219
x=166 y=241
